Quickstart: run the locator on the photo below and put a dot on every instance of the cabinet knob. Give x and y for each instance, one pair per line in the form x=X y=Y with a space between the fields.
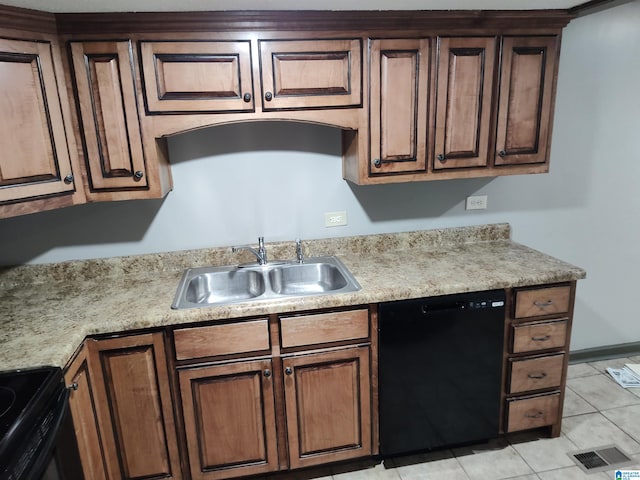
x=68 y=179
x=268 y=96
x=502 y=153
x=288 y=370
x=247 y=97
x=73 y=386
x=441 y=157
x=377 y=163
x=267 y=373
x=138 y=175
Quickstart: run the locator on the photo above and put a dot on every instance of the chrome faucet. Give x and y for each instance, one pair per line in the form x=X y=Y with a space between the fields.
x=261 y=253
x=299 y=254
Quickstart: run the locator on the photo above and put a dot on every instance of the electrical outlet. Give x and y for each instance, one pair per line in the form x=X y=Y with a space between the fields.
x=476 y=202
x=335 y=219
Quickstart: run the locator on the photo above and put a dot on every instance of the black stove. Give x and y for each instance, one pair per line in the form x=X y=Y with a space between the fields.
x=33 y=411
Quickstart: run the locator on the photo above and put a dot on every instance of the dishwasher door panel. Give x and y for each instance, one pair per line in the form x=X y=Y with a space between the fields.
x=440 y=371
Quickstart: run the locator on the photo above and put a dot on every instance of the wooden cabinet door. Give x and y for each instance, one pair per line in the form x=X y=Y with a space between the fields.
x=82 y=402
x=525 y=106
x=229 y=416
x=301 y=74
x=112 y=139
x=197 y=76
x=134 y=407
x=463 y=101
x=400 y=98
x=328 y=405
x=35 y=160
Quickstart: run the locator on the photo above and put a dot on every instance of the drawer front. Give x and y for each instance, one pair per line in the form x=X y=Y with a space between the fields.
x=539 y=336
x=542 y=301
x=227 y=339
x=536 y=373
x=324 y=328
x=533 y=412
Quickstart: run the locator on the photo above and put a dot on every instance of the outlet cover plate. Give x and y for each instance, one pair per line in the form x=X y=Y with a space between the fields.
x=476 y=202
x=335 y=219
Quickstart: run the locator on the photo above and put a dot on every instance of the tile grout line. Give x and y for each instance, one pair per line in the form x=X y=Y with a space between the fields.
x=597 y=410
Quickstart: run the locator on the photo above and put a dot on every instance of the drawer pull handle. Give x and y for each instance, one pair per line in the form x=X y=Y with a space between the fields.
x=534 y=415
x=537 y=376
x=546 y=304
x=288 y=370
x=541 y=339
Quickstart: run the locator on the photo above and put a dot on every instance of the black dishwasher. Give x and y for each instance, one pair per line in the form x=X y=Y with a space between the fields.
x=440 y=370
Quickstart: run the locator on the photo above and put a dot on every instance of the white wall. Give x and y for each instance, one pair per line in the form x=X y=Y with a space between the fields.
x=234 y=183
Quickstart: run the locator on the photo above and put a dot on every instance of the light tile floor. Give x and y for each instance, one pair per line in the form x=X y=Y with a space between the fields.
x=597 y=412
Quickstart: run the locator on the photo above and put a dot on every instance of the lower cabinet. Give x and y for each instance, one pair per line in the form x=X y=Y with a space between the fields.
x=290 y=396
x=328 y=406
x=225 y=400
x=537 y=355
x=82 y=402
x=229 y=419
x=257 y=395
x=122 y=409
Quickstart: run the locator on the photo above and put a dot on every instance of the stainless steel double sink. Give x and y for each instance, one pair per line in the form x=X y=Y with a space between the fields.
x=208 y=286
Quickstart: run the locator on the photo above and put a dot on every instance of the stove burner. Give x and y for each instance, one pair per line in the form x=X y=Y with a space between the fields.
x=7 y=398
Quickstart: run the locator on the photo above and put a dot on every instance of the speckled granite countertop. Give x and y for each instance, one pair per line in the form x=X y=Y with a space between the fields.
x=47 y=310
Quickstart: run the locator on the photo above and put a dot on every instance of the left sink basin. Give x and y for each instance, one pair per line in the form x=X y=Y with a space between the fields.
x=223 y=286
x=208 y=286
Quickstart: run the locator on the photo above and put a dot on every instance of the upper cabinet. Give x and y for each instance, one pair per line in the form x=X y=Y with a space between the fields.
x=486 y=110
x=110 y=125
x=463 y=98
x=300 y=74
x=197 y=76
x=418 y=95
x=216 y=76
x=36 y=161
x=400 y=105
x=525 y=104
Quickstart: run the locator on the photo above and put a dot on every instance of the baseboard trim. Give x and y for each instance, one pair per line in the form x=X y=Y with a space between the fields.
x=605 y=353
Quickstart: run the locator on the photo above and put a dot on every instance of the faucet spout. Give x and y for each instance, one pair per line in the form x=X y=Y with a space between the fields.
x=260 y=253
x=299 y=254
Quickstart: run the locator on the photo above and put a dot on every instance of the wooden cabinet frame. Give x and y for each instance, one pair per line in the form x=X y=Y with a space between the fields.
x=39 y=167
x=284 y=393
x=135 y=410
x=329 y=69
x=544 y=313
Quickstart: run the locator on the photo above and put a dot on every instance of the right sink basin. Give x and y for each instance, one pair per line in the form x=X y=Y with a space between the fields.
x=307 y=278
x=208 y=286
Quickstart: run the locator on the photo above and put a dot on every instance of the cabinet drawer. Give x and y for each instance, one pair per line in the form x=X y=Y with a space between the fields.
x=227 y=339
x=532 y=412
x=536 y=373
x=539 y=336
x=324 y=328
x=542 y=301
